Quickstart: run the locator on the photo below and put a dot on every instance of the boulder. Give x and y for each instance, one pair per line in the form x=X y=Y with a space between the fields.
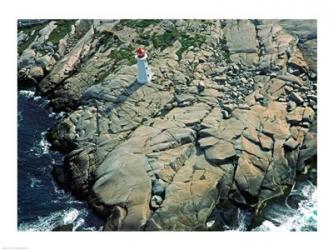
x=291 y=143
x=296 y=97
x=125 y=181
x=242 y=43
x=266 y=142
x=189 y=199
x=220 y=152
x=36 y=73
x=248 y=177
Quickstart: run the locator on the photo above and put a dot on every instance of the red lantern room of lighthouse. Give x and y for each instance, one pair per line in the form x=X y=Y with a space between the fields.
x=140 y=52
x=144 y=74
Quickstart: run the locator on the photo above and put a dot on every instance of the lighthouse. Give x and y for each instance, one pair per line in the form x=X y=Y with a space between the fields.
x=144 y=73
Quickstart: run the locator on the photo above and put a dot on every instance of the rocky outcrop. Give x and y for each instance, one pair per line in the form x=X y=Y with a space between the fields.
x=242 y=43
x=228 y=120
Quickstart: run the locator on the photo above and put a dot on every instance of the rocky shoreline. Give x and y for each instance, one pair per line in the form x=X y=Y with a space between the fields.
x=228 y=120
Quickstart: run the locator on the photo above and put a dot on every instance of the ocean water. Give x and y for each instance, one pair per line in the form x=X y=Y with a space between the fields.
x=298 y=212
x=42 y=205
x=295 y=213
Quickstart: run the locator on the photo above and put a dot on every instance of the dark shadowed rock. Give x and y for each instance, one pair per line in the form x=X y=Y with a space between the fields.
x=296 y=97
x=62 y=228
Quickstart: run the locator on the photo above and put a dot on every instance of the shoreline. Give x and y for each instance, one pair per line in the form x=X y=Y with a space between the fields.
x=253 y=149
x=42 y=204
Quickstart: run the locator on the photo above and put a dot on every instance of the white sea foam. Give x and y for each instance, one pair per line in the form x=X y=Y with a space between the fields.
x=34 y=182
x=286 y=218
x=42 y=102
x=27 y=93
x=36 y=98
x=42 y=147
x=64 y=196
x=44 y=144
x=52 y=114
x=79 y=223
x=63 y=217
x=71 y=216
x=243 y=219
x=210 y=223
x=57 y=115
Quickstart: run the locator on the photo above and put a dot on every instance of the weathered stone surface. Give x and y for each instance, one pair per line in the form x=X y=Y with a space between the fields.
x=266 y=142
x=36 y=73
x=241 y=42
x=304 y=30
x=251 y=134
x=125 y=182
x=296 y=116
x=291 y=105
x=275 y=87
x=308 y=151
x=308 y=114
x=248 y=177
x=164 y=155
x=66 y=66
x=310 y=53
x=190 y=199
x=291 y=143
x=208 y=142
x=220 y=152
x=297 y=61
x=189 y=115
x=275 y=43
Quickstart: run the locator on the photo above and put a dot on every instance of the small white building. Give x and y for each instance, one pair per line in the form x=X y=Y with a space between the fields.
x=144 y=73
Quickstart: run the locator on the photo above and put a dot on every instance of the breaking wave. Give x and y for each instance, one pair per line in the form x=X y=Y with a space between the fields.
x=48 y=223
x=295 y=213
x=27 y=93
x=299 y=213
x=42 y=205
x=42 y=147
x=44 y=144
x=57 y=115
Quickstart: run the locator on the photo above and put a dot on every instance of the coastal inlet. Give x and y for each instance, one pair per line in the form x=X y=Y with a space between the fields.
x=42 y=205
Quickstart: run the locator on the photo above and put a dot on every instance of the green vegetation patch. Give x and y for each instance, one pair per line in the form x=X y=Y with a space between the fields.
x=136 y=23
x=102 y=75
x=225 y=50
x=144 y=39
x=124 y=54
x=169 y=37
x=108 y=40
x=188 y=41
x=28 y=30
x=166 y=39
x=63 y=28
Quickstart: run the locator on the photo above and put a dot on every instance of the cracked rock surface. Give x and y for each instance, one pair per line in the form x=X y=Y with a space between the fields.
x=228 y=120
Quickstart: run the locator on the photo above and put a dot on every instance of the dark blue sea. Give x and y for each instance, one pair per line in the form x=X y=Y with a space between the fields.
x=42 y=205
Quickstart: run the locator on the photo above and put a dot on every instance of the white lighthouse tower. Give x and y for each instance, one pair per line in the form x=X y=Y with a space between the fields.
x=144 y=73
